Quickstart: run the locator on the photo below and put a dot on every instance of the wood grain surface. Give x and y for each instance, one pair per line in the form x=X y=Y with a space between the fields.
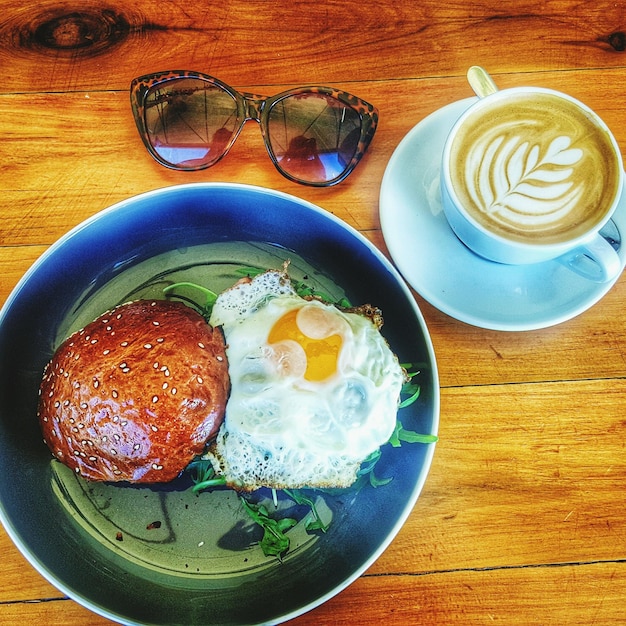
x=522 y=518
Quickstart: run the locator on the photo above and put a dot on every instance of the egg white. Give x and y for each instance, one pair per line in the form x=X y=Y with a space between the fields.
x=285 y=427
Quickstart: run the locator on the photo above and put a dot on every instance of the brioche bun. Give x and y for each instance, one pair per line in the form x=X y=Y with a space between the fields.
x=136 y=394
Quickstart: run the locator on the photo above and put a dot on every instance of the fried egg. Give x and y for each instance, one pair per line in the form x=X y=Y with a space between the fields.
x=314 y=389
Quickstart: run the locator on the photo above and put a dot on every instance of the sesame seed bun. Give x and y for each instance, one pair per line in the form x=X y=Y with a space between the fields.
x=136 y=394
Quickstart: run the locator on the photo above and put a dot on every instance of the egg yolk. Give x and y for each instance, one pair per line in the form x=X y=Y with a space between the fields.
x=321 y=354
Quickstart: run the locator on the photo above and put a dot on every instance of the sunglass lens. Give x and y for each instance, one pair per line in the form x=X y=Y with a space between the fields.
x=190 y=122
x=313 y=136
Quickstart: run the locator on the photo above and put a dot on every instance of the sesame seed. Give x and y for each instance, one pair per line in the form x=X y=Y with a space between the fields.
x=104 y=439
x=83 y=405
x=157 y=467
x=57 y=404
x=160 y=340
x=124 y=344
x=114 y=393
x=165 y=385
x=201 y=345
x=105 y=352
x=123 y=365
x=126 y=370
x=96 y=383
x=113 y=451
x=93 y=459
x=74 y=430
x=155 y=399
x=220 y=358
x=116 y=437
x=155 y=323
x=116 y=419
x=136 y=446
x=147 y=346
x=154 y=428
x=174 y=391
x=123 y=423
x=200 y=379
x=94 y=341
x=117 y=472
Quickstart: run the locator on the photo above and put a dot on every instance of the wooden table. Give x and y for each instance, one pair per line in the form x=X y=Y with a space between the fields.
x=522 y=519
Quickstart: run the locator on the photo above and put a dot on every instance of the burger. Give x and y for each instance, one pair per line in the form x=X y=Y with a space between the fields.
x=278 y=390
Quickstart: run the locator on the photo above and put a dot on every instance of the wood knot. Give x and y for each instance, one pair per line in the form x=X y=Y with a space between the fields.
x=88 y=33
x=617 y=41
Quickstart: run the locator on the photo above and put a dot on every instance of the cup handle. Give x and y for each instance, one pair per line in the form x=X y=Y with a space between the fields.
x=596 y=260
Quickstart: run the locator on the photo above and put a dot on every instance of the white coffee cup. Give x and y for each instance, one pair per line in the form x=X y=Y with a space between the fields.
x=531 y=174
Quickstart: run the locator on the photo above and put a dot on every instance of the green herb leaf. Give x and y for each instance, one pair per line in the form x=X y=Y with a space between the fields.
x=274 y=542
x=367 y=471
x=219 y=481
x=249 y=271
x=400 y=434
x=316 y=522
x=410 y=388
x=379 y=482
x=209 y=296
x=414 y=390
x=368 y=464
x=203 y=475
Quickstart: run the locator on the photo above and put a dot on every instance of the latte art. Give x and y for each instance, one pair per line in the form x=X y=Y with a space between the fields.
x=534 y=168
x=515 y=184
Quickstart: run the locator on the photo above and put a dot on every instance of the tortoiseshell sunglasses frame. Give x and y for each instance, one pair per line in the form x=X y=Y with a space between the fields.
x=253 y=107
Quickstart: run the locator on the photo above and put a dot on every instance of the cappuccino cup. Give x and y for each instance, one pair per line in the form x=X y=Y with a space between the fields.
x=530 y=175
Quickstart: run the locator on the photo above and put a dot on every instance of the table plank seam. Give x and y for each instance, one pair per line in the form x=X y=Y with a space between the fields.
x=33 y=600
x=493 y=568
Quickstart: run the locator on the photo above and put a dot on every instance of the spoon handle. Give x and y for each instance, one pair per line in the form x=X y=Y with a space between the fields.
x=480 y=81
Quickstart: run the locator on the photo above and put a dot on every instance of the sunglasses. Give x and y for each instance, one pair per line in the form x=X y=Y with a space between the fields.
x=189 y=121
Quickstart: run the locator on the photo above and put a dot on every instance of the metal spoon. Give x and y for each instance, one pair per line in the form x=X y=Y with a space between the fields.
x=480 y=81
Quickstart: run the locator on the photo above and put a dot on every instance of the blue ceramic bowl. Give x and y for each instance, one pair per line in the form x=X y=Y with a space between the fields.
x=200 y=564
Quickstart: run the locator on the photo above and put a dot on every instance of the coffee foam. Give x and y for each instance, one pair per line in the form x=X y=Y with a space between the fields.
x=534 y=167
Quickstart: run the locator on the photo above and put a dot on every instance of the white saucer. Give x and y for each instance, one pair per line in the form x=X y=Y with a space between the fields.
x=448 y=275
